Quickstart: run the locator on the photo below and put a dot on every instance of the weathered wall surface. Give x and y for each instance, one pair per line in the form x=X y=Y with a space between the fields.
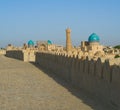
x=2 y=52
x=17 y=54
x=97 y=77
x=21 y=55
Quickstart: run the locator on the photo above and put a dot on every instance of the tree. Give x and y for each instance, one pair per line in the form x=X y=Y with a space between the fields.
x=117 y=46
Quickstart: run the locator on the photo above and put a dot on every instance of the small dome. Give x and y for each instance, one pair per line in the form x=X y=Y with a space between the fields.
x=93 y=38
x=30 y=42
x=49 y=42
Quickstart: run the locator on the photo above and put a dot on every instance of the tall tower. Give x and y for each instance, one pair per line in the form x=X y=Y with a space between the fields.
x=68 y=40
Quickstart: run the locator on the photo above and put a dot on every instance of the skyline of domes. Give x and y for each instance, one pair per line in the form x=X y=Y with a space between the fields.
x=93 y=38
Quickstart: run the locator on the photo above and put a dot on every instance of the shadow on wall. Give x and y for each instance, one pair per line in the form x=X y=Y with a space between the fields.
x=26 y=56
x=80 y=93
x=95 y=77
x=17 y=54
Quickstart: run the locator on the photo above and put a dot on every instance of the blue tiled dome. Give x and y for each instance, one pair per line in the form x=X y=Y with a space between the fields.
x=49 y=42
x=30 y=42
x=93 y=38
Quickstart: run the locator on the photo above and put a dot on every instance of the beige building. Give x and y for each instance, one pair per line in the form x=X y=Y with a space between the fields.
x=92 y=46
x=48 y=46
x=2 y=52
x=10 y=47
x=45 y=45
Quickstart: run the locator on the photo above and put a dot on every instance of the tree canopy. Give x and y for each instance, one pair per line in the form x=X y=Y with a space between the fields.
x=117 y=46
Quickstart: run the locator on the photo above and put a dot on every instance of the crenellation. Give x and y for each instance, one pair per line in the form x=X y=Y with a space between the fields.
x=115 y=86
x=86 y=66
x=95 y=76
x=75 y=70
x=106 y=71
x=91 y=67
x=116 y=75
x=98 y=68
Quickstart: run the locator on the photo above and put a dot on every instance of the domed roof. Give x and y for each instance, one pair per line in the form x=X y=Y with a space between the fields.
x=30 y=42
x=93 y=38
x=49 y=42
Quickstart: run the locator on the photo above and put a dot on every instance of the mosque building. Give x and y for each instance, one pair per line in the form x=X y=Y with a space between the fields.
x=92 y=46
x=48 y=46
x=45 y=45
x=30 y=43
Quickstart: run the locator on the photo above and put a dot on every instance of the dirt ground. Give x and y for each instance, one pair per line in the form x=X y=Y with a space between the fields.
x=23 y=86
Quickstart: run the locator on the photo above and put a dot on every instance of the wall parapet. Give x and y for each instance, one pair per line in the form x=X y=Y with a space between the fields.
x=99 y=77
x=17 y=54
x=26 y=56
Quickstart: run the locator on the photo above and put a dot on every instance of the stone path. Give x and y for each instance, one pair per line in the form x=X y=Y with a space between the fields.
x=23 y=86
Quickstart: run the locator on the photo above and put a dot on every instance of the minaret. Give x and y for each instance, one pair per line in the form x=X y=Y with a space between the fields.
x=68 y=40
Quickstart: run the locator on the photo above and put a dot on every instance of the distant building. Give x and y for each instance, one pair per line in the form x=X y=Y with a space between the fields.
x=45 y=45
x=9 y=47
x=30 y=43
x=68 y=40
x=2 y=51
x=48 y=46
x=92 y=46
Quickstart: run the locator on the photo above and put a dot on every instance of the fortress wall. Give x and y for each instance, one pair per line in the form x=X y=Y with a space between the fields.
x=115 y=85
x=97 y=77
x=2 y=52
x=17 y=54
x=21 y=55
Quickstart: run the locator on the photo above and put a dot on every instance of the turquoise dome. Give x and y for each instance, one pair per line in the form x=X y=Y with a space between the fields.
x=30 y=42
x=93 y=38
x=49 y=42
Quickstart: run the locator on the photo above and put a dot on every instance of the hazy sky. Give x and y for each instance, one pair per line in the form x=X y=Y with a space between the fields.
x=24 y=20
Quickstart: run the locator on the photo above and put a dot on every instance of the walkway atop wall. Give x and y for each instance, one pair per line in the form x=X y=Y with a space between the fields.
x=23 y=86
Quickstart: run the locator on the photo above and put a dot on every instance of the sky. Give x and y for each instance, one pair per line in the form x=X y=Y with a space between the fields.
x=24 y=20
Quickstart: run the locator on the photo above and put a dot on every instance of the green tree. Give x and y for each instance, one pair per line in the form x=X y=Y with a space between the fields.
x=117 y=46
